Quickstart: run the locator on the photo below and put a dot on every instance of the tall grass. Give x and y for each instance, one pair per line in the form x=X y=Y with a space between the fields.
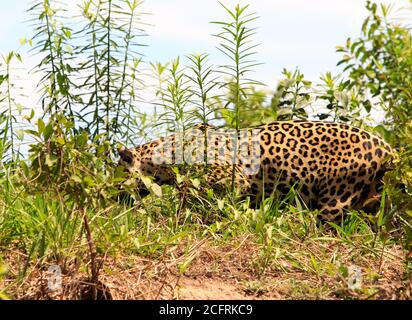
x=89 y=68
x=59 y=204
x=237 y=45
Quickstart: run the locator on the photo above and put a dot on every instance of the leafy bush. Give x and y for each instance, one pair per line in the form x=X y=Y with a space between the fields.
x=379 y=64
x=69 y=163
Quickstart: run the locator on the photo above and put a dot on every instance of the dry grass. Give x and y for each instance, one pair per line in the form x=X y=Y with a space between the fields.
x=307 y=270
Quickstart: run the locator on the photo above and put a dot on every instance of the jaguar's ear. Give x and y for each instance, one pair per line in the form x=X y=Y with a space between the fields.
x=125 y=155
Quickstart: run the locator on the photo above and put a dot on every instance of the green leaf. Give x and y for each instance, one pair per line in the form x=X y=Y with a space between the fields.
x=50 y=160
x=153 y=187
x=40 y=126
x=18 y=56
x=32 y=132
x=76 y=178
x=3 y=269
x=196 y=183
x=89 y=181
x=20 y=134
x=61 y=141
x=381 y=217
x=371 y=74
x=221 y=204
x=48 y=131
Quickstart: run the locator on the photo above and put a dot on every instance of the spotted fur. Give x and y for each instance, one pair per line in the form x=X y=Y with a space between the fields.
x=335 y=166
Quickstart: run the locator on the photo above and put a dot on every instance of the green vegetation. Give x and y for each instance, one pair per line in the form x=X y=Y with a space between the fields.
x=63 y=202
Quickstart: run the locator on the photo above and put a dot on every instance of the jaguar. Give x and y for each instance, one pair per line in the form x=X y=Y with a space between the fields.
x=334 y=166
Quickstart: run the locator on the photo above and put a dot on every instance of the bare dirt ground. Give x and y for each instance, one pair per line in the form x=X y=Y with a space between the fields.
x=213 y=273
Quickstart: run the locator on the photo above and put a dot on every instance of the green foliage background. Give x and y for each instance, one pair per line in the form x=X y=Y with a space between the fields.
x=59 y=200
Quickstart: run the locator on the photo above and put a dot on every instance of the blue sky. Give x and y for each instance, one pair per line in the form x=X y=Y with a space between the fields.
x=292 y=33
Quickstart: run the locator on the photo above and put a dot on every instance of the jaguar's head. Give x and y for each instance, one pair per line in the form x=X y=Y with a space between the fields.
x=143 y=161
